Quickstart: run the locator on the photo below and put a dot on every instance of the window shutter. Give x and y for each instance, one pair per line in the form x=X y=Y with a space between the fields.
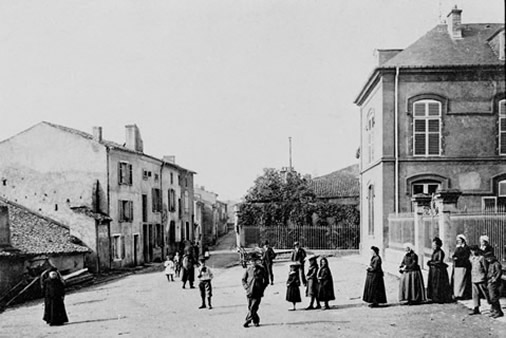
x=130 y=174
x=502 y=189
x=433 y=108
x=419 y=145
x=120 y=211
x=122 y=247
x=419 y=109
x=502 y=135
x=153 y=199
x=120 y=173
x=131 y=207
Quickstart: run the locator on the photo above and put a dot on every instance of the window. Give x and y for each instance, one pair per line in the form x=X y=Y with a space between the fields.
x=171 y=178
x=370 y=197
x=489 y=203
x=158 y=235
x=502 y=127
x=157 y=200
x=370 y=136
x=428 y=187
x=156 y=177
x=118 y=247
x=172 y=200
x=501 y=189
x=126 y=211
x=186 y=202
x=427 y=128
x=145 y=174
x=144 y=208
x=124 y=173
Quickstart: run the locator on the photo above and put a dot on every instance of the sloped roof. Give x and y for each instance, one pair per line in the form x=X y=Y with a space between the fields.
x=437 y=49
x=35 y=234
x=338 y=184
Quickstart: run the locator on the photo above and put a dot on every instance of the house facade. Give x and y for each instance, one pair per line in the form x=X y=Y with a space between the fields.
x=433 y=117
x=110 y=195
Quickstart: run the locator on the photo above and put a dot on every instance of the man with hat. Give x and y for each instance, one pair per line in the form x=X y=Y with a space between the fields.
x=268 y=256
x=299 y=255
x=254 y=281
x=494 y=281
x=312 y=282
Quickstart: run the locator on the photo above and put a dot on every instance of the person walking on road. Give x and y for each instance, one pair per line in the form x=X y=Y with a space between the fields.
x=54 y=294
x=325 y=283
x=461 y=271
x=254 y=281
x=293 y=286
x=374 y=288
x=169 y=268
x=189 y=262
x=299 y=255
x=206 y=290
x=312 y=282
x=268 y=256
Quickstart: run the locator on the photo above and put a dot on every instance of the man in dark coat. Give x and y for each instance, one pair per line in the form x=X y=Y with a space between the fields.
x=54 y=293
x=299 y=255
x=268 y=256
x=254 y=281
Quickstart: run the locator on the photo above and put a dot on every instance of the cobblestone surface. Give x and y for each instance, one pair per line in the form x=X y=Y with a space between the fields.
x=146 y=305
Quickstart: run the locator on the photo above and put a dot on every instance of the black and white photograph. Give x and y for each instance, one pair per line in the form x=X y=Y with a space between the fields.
x=252 y=168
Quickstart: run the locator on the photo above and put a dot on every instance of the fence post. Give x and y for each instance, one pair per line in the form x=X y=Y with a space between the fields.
x=446 y=203
x=421 y=204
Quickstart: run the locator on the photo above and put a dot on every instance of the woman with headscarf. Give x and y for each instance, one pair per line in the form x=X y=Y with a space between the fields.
x=325 y=283
x=485 y=245
x=54 y=294
x=411 y=287
x=374 y=288
x=438 y=284
x=312 y=282
x=461 y=273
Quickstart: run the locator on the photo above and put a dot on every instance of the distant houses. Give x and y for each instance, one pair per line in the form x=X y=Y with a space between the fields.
x=211 y=216
x=128 y=207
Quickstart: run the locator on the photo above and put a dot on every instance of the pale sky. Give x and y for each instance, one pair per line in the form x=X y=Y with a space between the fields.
x=221 y=84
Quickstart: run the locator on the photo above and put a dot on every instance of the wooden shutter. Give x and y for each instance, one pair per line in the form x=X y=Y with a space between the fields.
x=433 y=137
x=153 y=199
x=131 y=209
x=130 y=174
x=120 y=173
x=502 y=127
x=419 y=109
x=122 y=247
x=419 y=137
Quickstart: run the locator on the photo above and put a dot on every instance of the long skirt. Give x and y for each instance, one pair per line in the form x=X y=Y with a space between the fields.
x=461 y=283
x=374 y=289
x=54 y=311
x=312 y=288
x=438 y=285
x=411 y=287
x=293 y=294
x=326 y=291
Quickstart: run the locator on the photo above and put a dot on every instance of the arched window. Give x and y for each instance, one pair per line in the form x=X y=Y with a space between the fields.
x=502 y=127
x=427 y=128
x=370 y=135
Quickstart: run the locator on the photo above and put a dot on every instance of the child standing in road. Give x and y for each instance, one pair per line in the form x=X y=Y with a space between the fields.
x=169 y=269
x=494 y=284
x=177 y=263
x=292 y=285
x=478 y=278
x=205 y=275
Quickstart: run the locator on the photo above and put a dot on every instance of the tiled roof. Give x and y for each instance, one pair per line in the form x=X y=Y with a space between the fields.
x=34 y=234
x=437 y=48
x=338 y=184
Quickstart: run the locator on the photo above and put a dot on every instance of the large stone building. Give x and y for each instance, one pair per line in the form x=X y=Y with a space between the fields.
x=118 y=200
x=433 y=116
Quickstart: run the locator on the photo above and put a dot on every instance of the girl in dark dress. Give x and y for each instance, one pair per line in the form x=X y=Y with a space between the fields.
x=325 y=283
x=461 y=272
x=374 y=288
x=438 y=285
x=312 y=282
x=54 y=293
x=411 y=287
x=292 y=285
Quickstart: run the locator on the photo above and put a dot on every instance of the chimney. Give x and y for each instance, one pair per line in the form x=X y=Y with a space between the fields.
x=454 y=21
x=170 y=159
x=384 y=55
x=133 y=138
x=97 y=134
x=5 y=231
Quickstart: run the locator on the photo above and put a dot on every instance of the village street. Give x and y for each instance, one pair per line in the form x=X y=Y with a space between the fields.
x=146 y=305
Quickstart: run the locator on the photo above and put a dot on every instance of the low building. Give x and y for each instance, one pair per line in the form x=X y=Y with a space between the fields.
x=339 y=187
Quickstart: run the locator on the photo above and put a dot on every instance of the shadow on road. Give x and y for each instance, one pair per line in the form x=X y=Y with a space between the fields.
x=95 y=320
x=307 y=322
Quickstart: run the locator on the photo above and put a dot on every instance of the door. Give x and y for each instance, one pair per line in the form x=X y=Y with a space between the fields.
x=136 y=248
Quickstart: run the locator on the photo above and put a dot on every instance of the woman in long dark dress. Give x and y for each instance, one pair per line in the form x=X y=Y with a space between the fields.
x=292 y=285
x=411 y=287
x=312 y=282
x=325 y=284
x=438 y=285
x=54 y=294
x=374 y=288
x=461 y=272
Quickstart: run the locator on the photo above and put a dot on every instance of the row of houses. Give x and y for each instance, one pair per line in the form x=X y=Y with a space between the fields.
x=123 y=206
x=433 y=122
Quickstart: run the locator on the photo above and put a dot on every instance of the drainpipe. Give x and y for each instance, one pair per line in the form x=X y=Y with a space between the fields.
x=396 y=139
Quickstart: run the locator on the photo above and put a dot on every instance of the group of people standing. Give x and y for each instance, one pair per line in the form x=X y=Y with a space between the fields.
x=476 y=273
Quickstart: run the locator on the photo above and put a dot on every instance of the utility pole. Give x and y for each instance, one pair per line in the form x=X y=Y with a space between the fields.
x=290 y=168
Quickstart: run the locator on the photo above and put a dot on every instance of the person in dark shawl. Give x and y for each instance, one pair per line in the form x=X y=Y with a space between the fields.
x=374 y=288
x=312 y=282
x=54 y=294
x=411 y=286
x=254 y=281
x=189 y=262
x=486 y=248
x=293 y=285
x=494 y=283
x=461 y=272
x=299 y=255
x=325 y=283
x=438 y=284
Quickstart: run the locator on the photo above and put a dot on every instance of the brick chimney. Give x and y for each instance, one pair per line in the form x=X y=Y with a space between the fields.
x=169 y=159
x=97 y=134
x=133 y=138
x=5 y=231
x=454 y=22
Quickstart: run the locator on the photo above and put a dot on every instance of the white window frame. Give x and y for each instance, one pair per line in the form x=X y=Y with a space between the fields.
x=502 y=126
x=490 y=198
x=124 y=173
x=426 y=117
x=501 y=188
x=425 y=186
